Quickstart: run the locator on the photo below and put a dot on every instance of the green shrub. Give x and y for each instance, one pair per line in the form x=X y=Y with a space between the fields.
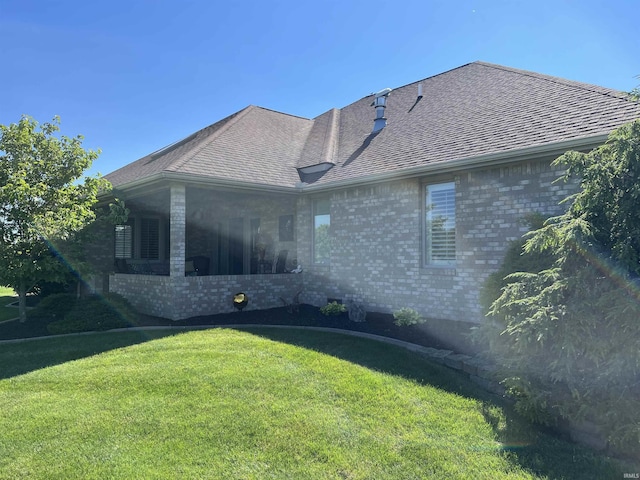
x=53 y=307
x=333 y=308
x=64 y=313
x=122 y=307
x=515 y=261
x=61 y=327
x=44 y=289
x=566 y=335
x=407 y=316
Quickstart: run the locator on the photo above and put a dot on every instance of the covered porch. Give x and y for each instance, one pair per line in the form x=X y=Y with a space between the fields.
x=187 y=249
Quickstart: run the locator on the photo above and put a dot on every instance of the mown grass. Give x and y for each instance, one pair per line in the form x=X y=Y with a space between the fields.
x=260 y=403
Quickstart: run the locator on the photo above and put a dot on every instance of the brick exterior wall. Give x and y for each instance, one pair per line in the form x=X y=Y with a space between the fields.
x=193 y=214
x=377 y=236
x=177 y=232
x=377 y=245
x=183 y=297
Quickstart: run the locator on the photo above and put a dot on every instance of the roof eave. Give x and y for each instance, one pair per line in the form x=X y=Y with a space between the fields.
x=451 y=166
x=199 y=180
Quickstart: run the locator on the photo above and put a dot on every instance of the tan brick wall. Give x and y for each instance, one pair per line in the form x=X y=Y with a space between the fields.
x=184 y=297
x=377 y=239
x=377 y=246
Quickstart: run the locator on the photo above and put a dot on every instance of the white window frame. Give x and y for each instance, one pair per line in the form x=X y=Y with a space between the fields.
x=440 y=206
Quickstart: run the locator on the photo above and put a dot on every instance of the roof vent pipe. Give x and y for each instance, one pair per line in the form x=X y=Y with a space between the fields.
x=380 y=102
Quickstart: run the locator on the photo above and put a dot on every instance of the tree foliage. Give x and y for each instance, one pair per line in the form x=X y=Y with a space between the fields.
x=635 y=93
x=515 y=262
x=568 y=333
x=44 y=209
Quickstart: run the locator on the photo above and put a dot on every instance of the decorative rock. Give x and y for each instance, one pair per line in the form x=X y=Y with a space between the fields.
x=357 y=312
x=456 y=360
x=439 y=355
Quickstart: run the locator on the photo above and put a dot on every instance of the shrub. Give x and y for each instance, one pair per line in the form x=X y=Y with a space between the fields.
x=407 y=316
x=515 y=261
x=96 y=313
x=333 y=308
x=44 y=289
x=64 y=313
x=53 y=307
x=567 y=334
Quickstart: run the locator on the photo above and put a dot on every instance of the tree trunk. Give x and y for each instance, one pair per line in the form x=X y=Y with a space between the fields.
x=22 y=302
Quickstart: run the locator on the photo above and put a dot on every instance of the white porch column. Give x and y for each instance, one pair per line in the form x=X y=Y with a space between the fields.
x=177 y=232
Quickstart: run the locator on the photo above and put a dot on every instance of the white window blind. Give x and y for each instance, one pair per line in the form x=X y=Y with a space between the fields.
x=124 y=241
x=441 y=224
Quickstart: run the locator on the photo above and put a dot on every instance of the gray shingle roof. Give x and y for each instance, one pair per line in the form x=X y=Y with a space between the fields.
x=254 y=145
x=474 y=110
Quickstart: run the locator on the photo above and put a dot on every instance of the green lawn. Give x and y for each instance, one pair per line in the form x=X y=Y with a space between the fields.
x=6 y=297
x=255 y=404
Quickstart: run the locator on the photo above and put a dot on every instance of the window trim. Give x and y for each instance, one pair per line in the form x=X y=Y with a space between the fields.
x=428 y=189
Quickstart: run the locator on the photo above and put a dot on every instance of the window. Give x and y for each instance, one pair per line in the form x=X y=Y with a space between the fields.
x=124 y=241
x=440 y=225
x=150 y=238
x=139 y=238
x=321 y=238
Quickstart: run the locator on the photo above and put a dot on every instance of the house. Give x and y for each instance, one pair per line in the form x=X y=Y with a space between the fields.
x=407 y=197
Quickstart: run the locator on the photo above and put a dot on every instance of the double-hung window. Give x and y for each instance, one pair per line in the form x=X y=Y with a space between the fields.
x=440 y=224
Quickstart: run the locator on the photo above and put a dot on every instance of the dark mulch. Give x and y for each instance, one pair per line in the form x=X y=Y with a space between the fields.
x=441 y=334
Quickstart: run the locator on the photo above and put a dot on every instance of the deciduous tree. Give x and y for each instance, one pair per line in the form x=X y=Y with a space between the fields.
x=44 y=204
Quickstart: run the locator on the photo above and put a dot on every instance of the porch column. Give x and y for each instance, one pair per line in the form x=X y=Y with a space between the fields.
x=177 y=231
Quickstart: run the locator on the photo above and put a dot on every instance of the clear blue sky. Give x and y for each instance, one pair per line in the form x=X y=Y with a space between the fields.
x=133 y=76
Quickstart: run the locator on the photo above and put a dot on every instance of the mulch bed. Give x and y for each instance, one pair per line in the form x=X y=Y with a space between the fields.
x=441 y=334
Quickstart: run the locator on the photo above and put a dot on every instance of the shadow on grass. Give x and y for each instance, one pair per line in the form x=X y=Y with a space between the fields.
x=7 y=312
x=20 y=357
x=522 y=444
x=538 y=451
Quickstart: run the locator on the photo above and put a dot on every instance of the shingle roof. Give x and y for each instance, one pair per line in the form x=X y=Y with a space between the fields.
x=477 y=109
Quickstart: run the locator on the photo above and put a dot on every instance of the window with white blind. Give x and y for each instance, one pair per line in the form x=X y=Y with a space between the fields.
x=124 y=241
x=139 y=238
x=440 y=224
